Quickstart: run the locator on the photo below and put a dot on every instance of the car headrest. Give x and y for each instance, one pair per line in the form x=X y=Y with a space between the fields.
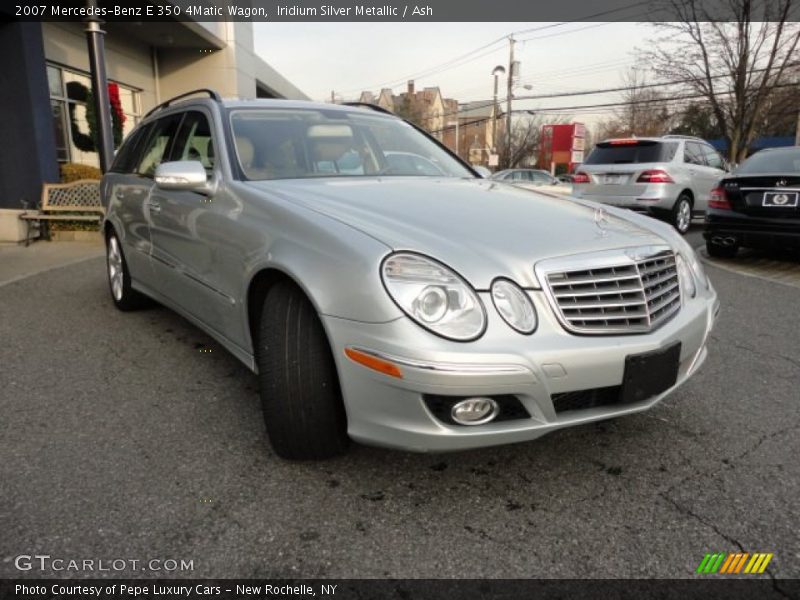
x=246 y=151
x=331 y=149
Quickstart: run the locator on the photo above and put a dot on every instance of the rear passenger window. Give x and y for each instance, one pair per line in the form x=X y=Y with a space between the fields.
x=693 y=154
x=158 y=145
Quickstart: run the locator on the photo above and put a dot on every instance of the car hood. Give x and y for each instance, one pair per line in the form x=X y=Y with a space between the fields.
x=480 y=228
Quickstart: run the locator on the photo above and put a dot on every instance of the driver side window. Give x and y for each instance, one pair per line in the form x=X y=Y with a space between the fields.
x=194 y=140
x=713 y=159
x=158 y=146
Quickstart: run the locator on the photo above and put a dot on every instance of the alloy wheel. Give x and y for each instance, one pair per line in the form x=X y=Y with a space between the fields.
x=115 y=275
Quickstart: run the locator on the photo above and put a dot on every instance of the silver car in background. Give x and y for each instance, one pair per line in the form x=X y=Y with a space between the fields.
x=669 y=177
x=427 y=311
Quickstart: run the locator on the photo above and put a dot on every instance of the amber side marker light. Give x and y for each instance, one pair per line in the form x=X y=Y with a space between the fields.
x=374 y=363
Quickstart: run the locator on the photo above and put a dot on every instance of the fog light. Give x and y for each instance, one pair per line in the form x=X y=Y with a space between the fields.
x=474 y=411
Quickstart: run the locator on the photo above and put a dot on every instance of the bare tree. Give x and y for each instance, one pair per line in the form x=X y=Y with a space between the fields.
x=644 y=111
x=734 y=60
x=407 y=109
x=526 y=134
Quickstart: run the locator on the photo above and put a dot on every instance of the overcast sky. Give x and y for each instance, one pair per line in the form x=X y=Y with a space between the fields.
x=350 y=57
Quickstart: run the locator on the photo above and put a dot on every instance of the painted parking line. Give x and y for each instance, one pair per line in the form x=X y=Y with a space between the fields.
x=753 y=264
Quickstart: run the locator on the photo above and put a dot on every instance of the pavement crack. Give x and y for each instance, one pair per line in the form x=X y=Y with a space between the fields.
x=764 y=438
x=690 y=513
x=747 y=348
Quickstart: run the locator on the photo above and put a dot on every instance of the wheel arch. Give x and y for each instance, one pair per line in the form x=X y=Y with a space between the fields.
x=258 y=288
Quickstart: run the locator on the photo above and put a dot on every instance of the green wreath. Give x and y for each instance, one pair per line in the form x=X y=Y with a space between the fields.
x=88 y=142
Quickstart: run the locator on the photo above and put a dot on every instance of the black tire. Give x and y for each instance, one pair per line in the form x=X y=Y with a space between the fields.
x=678 y=216
x=718 y=251
x=300 y=394
x=125 y=298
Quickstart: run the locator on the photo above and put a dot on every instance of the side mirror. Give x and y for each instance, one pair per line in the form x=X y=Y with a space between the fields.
x=483 y=171
x=187 y=175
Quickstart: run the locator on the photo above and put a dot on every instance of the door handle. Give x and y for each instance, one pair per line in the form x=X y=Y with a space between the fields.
x=154 y=206
x=119 y=194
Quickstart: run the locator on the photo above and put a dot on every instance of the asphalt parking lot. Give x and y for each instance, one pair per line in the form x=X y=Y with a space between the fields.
x=135 y=436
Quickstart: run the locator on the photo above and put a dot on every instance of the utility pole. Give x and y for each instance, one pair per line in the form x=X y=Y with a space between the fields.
x=797 y=131
x=510 y=92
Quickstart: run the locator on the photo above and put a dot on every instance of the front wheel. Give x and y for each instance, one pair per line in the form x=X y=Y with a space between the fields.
x=682 y=214
x=300 y=394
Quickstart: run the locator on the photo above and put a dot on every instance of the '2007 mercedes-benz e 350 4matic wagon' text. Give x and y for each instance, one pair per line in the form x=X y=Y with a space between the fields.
x=428 y=310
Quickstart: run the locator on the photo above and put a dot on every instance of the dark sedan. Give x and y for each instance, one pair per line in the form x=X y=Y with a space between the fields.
x=758 y=205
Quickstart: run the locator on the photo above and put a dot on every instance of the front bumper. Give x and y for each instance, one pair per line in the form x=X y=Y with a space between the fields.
x=388 y=411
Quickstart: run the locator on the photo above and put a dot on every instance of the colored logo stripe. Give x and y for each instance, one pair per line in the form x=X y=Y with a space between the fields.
x=724 y=563
x=758 y=564
x=711 y=563
x=735 y=563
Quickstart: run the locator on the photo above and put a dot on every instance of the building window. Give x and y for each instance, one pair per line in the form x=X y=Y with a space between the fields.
x=68 y=92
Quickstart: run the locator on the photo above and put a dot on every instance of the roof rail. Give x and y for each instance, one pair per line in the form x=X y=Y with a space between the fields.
x=211 y=94
x=374 y=107
x=682 y=137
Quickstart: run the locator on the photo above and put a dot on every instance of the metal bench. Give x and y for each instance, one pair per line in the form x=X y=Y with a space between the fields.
x=63 y=202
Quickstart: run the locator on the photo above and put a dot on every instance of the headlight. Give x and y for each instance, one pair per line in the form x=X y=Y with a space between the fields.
x=685 y=278
x=434 y=296
x=514 y=306
x=697 y=268
x=690 y=256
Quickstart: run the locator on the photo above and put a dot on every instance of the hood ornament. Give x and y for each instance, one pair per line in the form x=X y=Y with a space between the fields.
x=780 y=183
x=601 y=220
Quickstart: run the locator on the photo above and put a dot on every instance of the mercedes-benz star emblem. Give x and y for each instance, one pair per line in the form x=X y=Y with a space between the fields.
x=781 y=199
x=601 y=219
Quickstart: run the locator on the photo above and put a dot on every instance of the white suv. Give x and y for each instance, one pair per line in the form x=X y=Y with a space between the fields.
x=669 y=177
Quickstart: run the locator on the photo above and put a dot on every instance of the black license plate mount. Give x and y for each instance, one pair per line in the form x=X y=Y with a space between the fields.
x=650 y=373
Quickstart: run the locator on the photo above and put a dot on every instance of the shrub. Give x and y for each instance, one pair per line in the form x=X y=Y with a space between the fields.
x=74 y=171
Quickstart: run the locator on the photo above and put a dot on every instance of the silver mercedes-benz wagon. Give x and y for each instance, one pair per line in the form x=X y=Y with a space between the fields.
x=419 y=308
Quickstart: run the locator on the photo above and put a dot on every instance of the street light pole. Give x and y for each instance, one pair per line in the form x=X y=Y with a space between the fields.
x=102 y=104
x=450 y=124
x=498 y=70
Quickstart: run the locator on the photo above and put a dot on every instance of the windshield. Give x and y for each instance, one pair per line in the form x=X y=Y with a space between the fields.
x=627 y=152
x=786 y=162
x=301 y=143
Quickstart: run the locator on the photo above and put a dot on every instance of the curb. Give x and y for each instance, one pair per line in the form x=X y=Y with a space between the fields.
x=48 y=269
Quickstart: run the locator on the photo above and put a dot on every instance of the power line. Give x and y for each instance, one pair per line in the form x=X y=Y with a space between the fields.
x=468 y=57
x=563 y=109
x=488 y=103
x=634 y=87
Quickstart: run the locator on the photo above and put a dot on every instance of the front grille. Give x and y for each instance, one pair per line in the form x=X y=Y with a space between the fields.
x=629 y=297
